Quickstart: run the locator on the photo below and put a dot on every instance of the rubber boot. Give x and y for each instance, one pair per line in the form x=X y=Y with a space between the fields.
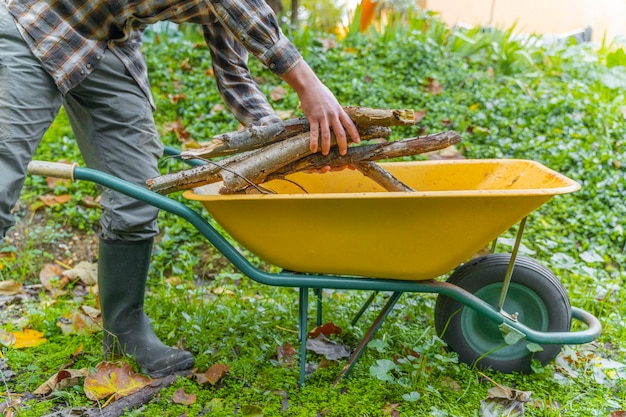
x=122 y=274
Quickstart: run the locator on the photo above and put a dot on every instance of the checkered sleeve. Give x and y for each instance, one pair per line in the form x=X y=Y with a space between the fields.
x=234 y=81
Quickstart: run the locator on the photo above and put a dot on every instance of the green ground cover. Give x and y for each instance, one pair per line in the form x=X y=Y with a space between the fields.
x=561 y=105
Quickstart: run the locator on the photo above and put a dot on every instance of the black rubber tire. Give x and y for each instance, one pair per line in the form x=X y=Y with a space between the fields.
x=535 y=294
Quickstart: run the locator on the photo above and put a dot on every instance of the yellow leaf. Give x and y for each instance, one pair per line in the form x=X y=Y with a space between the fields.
x=113 y=380
x=28 y=338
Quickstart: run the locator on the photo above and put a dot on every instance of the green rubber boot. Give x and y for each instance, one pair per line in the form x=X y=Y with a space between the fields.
x=122 y=274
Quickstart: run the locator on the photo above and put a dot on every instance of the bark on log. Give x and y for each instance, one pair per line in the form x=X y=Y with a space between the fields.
x=129 y=402
x=253 y=137
x=193 y=177
x=382 y=177
x=357 y=154
x=237 y=176
x=365 y=116
x=209 y=173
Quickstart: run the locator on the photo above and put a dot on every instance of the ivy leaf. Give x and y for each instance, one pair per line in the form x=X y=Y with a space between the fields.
x=382 y=369
x=412 y=396
x=252 y=411
x=591 y=256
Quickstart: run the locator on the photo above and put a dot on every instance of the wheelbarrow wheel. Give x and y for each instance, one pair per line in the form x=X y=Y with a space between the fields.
x=535 y=294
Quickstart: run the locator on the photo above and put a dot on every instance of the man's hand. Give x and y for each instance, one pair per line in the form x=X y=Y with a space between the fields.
x=321 y=109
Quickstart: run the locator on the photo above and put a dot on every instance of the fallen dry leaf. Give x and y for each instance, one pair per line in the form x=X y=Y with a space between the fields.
x=213 y=374
x=284 y=114
x=84 y=322
x=434 y=87
x=329 y=348
x=28 y=338
x=219 y=107
x=326 y=329
x=286 y=354
x=6 y=338
x=90 y=202
x=178 y=129
x=54 y=200
x=52 y=279
x=10 y=287
x=87 y=272
x=181 y=397
x=61 y=380
x=113 y=379
x=175 y=98
x=504 y=401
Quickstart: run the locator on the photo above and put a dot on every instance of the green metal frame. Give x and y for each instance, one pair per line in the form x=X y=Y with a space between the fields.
x=305 y=282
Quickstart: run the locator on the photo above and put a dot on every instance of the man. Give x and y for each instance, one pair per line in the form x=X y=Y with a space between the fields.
x=86 y=56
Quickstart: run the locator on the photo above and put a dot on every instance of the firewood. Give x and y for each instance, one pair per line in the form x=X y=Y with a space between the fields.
x=254 y=137
x=210 y=173
x=358 y=154
x=365 y=116
x=382 y=177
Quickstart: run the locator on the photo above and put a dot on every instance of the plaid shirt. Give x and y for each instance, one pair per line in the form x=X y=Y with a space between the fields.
x=70 y=37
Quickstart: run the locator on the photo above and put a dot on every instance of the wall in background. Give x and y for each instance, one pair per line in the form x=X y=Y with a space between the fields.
x=551 y=17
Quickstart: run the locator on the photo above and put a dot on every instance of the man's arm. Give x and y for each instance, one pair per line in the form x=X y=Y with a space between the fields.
x=254 y=25
x=234 y=81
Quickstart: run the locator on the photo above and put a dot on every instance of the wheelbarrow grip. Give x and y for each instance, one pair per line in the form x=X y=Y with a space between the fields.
x=52 y=169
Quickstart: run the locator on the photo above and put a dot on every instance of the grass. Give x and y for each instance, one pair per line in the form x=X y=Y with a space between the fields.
x=561 y=105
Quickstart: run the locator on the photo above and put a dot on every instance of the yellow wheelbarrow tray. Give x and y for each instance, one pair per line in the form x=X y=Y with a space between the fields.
x=343 y=223
x=340 y=230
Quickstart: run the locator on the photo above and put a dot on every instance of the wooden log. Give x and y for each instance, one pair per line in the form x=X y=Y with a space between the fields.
x=360 y=154
x=365 y=116
x=127 y=403
x=254 y=137
x=239 y=175
x=209 y=173
x=357 y=154
x=193 y=177
x=382 y=177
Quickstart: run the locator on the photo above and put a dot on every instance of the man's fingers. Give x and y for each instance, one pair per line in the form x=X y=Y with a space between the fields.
x=325 y=131
x=314 y=136
x=340 y=136
x=342 y=127
x=349 y=125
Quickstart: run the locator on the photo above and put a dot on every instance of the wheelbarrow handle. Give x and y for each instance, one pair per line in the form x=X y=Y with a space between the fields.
x=52 y=169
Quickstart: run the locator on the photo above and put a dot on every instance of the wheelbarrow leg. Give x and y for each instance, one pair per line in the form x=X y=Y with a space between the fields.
x=368 y=302
x=302 y=327
x=318 y=295
x=368 y=336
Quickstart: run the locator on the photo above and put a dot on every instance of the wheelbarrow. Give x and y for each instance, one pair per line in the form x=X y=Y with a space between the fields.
x=342 y=231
